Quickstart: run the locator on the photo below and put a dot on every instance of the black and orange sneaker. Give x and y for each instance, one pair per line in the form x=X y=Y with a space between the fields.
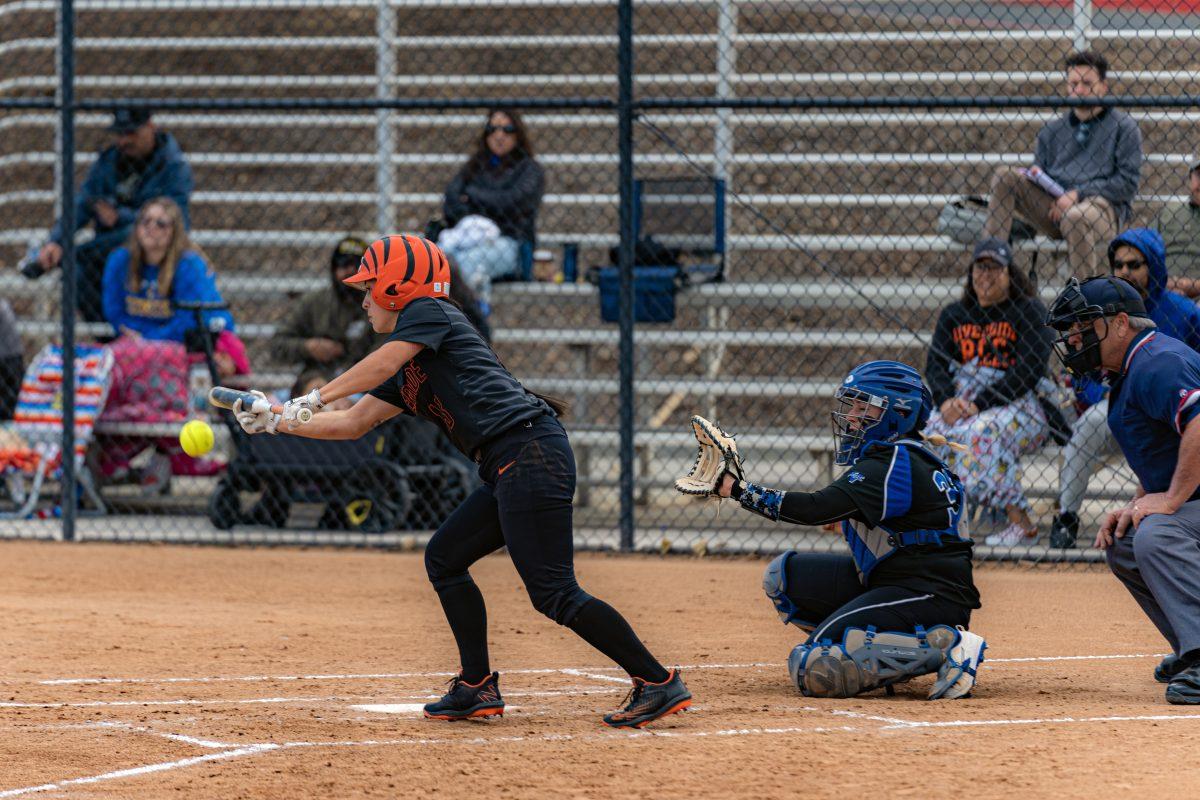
x=467 y=701
x=650 y=701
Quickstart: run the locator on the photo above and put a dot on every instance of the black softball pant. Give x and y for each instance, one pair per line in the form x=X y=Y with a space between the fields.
x=526 y=507
x=525 y=504
x=829 y=598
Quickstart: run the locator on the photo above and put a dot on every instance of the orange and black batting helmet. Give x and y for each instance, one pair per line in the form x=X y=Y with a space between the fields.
x=404 y=268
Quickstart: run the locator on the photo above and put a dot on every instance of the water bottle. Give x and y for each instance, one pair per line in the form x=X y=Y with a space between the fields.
x=199 y=384
x=570 y=268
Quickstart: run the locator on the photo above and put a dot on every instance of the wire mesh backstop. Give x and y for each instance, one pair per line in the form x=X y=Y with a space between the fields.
x=711 y=207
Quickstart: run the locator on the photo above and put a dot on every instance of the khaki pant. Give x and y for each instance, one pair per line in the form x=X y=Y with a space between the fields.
x=1088 y=226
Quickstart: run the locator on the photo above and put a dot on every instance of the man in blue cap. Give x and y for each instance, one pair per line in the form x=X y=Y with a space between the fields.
x=1153 y=542
x=142 y=163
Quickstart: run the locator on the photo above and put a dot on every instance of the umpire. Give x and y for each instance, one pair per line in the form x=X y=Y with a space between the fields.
x=1152 y=543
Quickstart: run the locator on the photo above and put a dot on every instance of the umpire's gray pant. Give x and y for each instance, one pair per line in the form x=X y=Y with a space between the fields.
x=1160 y=565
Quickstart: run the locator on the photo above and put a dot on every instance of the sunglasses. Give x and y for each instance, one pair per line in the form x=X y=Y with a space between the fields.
x=155 y=222
x=490 y=129
x=1136 y=264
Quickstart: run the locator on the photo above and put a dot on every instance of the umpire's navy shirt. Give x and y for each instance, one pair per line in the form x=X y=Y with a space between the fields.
x=456 y=382
x=1153 y=399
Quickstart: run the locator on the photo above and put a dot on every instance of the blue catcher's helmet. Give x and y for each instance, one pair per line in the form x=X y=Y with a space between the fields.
x=896 y=389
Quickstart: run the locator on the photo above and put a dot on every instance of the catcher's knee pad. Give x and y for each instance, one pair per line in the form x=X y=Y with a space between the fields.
x=775 y=586
x=865 y=660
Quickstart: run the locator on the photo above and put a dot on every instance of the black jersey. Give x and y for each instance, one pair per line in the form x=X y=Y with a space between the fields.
x=457 y=381
x=920 y=502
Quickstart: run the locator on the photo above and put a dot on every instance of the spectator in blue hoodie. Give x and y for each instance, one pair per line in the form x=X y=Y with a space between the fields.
x=142 y=163
x=1139 y=256
x=157 y=267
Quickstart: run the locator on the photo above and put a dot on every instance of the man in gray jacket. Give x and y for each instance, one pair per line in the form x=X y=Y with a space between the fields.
x=1095 y=155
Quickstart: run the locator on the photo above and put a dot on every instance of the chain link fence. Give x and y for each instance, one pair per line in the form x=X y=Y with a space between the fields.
x=812 y=167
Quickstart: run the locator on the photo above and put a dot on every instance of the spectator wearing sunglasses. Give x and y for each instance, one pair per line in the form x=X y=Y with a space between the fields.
x=157 y=267
x=1138 y=256
x=141 y=163
x=492 y=204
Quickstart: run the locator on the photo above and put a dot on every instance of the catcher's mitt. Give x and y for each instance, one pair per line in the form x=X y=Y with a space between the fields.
x=718 y=455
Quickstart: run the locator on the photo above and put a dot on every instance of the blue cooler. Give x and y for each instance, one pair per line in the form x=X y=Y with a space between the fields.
x=653 y=293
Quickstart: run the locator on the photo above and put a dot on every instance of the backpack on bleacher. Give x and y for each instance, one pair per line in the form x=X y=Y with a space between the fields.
x=963 y=219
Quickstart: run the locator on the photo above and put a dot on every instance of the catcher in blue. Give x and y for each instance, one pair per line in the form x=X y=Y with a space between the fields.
x=898 y=606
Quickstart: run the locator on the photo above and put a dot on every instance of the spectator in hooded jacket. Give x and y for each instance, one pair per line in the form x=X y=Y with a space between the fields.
x=1138 y=256
x=492 y=204
x=988 y=354
x=325 y=330
x=142 y=163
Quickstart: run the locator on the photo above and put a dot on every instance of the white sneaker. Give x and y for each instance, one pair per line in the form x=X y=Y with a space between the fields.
x=1011 y=536
x=956 y=676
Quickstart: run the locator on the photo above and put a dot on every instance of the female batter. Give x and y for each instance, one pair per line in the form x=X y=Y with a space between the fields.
x=436 y=366
x=898 y=606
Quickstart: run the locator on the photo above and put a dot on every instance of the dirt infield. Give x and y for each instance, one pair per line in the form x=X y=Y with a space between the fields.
x=151 y=671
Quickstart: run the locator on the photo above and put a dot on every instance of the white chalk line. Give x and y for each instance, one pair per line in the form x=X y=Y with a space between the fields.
x=640 y=735
x=969 y=723
x=132 y=703
x=431 y=694
x=143 y=770
x=595 y=676
x=1070 y=658
x=873 y=717
x=175 y=737
x=537 y=671
x=364 y=676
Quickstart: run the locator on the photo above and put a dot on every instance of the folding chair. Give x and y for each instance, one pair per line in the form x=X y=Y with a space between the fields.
x=38 y=424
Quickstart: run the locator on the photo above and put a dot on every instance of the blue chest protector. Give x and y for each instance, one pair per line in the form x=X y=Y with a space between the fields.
x=870 y=545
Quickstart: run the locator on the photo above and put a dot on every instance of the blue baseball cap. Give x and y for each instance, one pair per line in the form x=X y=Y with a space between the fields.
x=995 y=249
x=127 y=120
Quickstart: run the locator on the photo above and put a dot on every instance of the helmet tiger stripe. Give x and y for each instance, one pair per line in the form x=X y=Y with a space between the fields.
x=403 y=268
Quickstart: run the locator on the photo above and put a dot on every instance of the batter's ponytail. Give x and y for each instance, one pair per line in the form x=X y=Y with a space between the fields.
x=557 y=404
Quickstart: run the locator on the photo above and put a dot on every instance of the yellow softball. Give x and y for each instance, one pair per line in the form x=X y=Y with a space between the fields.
x=196 y=438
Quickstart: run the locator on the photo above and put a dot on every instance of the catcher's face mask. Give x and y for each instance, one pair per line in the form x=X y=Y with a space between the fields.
x=855 y=413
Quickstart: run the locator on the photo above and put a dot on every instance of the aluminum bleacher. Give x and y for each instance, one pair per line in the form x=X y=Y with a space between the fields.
x=846 y=262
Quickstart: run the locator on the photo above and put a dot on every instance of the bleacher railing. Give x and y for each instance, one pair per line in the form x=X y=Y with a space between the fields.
x=839 y=132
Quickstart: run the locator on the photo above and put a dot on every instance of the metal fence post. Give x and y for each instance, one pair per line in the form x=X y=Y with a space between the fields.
x=1081 y=24
x=385 y=73
x=625 y=262
x=726 y=68
x=717 y=316
x=66 y=160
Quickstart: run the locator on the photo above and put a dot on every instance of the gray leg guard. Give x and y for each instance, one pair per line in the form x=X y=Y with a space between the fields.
x=867 y=660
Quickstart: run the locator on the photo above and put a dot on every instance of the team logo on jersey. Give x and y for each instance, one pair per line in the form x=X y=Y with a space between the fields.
x=855 y=477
